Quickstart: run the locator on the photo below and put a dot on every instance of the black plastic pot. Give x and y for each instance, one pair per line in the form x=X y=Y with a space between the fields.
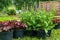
x=57 y=26
x=18 y=33
x=34 y=33
x=41 y=33
x=49 y=33
x=29 y=33
x=6 y=35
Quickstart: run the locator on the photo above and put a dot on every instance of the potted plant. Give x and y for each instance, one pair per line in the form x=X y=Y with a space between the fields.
x=28 y=18
x=46 y=21
x=38 y=20
x=6 y=32
x=31 y=18
x=19 y=28
x=11 y=12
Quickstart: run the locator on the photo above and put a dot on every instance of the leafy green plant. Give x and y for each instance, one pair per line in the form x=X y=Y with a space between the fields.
x=11 y=12
x=38 y=20
x=7 y=18
x=4 y=3
x=28 y=17
x=46 y=19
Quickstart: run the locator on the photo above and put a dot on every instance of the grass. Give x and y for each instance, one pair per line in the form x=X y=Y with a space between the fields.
x=55 y=35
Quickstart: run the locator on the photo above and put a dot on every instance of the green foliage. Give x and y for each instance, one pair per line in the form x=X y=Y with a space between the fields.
x=46 y=19
x=4 y=3
x=11 y=12
x=19 y=3
x=26 y=3
x=39 y=19
x=28 y=17
x=7 y=18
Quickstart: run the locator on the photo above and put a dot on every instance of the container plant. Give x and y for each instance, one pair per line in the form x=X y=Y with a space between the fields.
x=11 y=12
x=28 y=18
x=31 y=18
x=40 y=21
x=6 y=32
x=46 y=23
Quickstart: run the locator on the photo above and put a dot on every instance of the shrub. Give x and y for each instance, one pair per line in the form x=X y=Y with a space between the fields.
x=11 y=12
x=38 y=20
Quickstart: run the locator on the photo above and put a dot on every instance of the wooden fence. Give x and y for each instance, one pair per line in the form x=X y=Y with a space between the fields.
x=51 y=4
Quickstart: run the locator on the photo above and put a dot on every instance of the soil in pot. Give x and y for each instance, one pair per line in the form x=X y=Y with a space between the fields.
x=6 y=35
x=18 y=33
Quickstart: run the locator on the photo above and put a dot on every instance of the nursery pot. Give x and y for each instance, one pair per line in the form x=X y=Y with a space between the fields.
x=57 y=26
x=18 y=33
x=49 y=33
x=29 y=33
x=34 y=33
x=41 y=33
x=6 y=35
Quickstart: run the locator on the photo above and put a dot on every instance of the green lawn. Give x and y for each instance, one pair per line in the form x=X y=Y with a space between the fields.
x=55 y=35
